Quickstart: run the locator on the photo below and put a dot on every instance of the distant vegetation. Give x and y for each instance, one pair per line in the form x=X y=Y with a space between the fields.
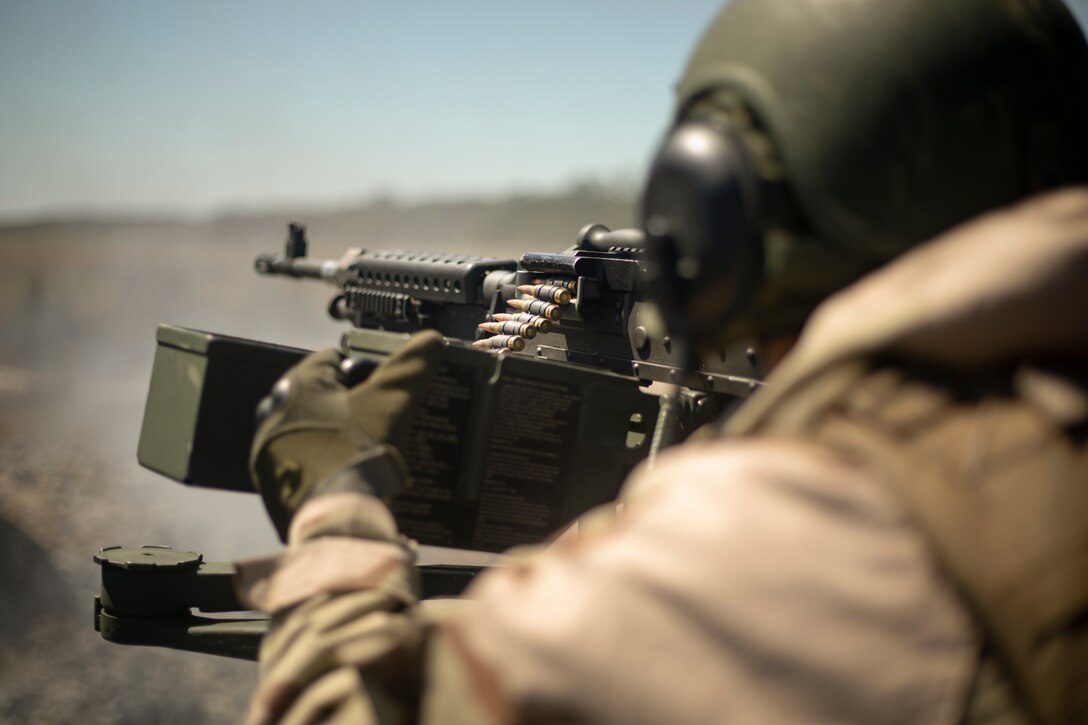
x=543 y=221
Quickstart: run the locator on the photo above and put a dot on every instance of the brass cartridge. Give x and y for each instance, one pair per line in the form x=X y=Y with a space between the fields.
x=541 y=323
x=570 y=285
x=509 y=327
x=547 y=292
x=501 y=342
x=537 y=307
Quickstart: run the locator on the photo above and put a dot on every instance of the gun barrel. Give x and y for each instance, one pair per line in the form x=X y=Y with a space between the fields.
x=273 y=264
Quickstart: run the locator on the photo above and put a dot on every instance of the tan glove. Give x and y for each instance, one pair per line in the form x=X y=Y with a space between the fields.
x=322 y=437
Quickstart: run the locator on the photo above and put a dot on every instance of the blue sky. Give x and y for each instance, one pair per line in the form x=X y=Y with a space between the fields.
x=198 y=106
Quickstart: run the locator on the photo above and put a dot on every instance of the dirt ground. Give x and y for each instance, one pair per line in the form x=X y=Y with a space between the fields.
x=79 y=304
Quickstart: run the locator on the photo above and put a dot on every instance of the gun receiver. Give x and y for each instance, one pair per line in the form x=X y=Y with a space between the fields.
x=586 y=305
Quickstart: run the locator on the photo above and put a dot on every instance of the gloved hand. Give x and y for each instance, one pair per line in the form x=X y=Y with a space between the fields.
x=322 y=437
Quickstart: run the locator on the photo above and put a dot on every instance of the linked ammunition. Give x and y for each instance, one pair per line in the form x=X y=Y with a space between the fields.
x=537 y=307
x=541 y=323
x=568 y=284
x=509 y=327
x=547 y=292
x=501 y=342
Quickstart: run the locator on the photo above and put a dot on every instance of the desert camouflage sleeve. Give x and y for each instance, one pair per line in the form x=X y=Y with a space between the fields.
x=767 y=582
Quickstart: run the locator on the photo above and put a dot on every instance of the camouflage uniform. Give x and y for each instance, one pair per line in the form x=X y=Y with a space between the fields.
x=910 y=488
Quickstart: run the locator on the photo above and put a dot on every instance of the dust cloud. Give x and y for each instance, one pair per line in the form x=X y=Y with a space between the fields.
x=80 y=302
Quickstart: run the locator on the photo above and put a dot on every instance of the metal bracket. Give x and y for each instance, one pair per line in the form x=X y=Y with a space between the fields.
x=161 y=597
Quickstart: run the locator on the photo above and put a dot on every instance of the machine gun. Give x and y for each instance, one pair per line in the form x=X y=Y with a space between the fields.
x=557 y=378
x=586 y=305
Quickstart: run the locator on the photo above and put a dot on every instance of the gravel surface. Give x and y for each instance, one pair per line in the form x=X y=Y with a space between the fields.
x=54 y=668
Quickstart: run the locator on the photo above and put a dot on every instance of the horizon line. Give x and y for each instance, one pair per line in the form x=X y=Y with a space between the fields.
x=618 y=189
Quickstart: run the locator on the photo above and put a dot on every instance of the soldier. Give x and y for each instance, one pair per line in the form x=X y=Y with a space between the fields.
x=895 y=530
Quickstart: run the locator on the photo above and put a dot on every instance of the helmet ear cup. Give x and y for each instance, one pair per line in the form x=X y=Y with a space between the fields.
x=700 y=209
